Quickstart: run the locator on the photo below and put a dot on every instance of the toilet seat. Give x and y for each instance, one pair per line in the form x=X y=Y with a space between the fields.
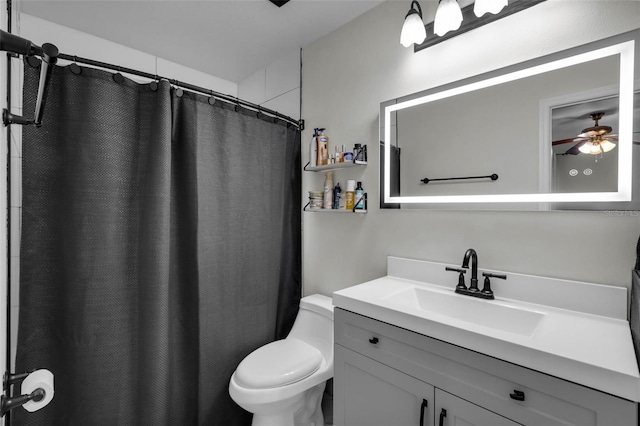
x=278 y=363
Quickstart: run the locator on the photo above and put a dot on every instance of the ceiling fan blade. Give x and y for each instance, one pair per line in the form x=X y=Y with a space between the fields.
x=561 y=141
x=575 y=150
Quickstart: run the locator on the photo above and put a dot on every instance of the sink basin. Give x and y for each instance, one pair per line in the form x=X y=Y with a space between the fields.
x=465 y=308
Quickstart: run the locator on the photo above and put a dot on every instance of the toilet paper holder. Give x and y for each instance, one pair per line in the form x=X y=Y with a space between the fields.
x=8 y=403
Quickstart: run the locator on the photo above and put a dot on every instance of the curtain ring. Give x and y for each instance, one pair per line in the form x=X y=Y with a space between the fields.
x=178 y=91
x=33 y=62
x=153 y=85
x=74 y=67
x=211 y=99
x=118 y=78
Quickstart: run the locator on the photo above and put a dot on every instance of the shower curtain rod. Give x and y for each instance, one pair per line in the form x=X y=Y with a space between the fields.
x=191 y=87
x=15 y=45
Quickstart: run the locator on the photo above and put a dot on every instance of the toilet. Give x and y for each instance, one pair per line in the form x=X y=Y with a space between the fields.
x=282 y=383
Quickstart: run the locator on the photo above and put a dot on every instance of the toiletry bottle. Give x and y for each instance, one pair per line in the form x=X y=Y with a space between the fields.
x=337 y=192
x=350 y=195
x=338 y=155
x=313 y=149
x=328 y=191
x=359 y=197
x=323 y=148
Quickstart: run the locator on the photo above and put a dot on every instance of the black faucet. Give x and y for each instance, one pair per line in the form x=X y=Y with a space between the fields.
x=473 y=290
x=471 y=254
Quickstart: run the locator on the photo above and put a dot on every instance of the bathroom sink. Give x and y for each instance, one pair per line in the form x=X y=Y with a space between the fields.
x=473 y=311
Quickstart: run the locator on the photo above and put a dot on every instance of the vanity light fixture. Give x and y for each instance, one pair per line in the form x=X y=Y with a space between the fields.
x=448 y=17
x=413 y=29
x=451 y=21
x=481 y=7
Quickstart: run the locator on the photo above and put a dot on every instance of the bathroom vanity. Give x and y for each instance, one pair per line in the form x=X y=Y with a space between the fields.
x=409 y=351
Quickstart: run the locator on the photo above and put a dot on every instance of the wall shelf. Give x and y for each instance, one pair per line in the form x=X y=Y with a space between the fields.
x=335 y=166
x=328 y=167
x=358 y=211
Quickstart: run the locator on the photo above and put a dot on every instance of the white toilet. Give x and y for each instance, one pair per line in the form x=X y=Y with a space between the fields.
x=282 y=382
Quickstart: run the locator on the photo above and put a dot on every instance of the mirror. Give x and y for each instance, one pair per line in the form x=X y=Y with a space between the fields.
x=551 y=133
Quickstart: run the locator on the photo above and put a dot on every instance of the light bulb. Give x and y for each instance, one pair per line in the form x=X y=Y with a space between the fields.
x=585 y=148
x=480 y=7
x=607 y=145
x=448 y=17
x=413 y=30
x=595 y=149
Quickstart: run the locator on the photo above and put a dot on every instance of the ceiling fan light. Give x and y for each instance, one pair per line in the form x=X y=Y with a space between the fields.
x=413 y=30
x=480 y=7
x=448 y=17
x=585 y=148
x=595 y=149
x=607 y=146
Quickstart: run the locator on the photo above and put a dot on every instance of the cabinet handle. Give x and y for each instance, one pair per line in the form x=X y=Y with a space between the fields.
x=443 y=414
x=373 y=340
x=517 y=395
x=422 y=408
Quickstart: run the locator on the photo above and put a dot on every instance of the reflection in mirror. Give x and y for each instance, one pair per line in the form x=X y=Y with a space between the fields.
x=528 y=124
x=585 y=160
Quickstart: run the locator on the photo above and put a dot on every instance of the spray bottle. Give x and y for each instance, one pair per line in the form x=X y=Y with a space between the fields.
x=337 y=194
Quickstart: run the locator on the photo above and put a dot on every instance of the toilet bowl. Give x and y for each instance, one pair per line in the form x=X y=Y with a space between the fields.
x=282 y=383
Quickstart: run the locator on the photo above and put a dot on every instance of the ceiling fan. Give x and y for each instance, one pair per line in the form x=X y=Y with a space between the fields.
x=592 y=140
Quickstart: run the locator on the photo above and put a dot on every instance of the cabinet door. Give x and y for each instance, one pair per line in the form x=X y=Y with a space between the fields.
x=453 y=411
x=367 y=393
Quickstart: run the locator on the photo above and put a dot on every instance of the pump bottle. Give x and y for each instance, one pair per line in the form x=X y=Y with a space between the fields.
x=322 y=141
x=313 y=149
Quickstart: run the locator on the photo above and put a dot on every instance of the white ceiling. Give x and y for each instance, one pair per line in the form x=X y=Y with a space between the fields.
x=230 y=39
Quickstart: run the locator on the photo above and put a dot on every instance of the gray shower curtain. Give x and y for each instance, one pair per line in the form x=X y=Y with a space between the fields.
x=160 y=245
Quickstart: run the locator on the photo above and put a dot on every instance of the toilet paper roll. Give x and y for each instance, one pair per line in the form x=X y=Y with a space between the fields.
x=42 y=379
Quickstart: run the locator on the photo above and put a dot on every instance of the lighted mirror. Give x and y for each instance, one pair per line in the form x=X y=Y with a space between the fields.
x=556 y=132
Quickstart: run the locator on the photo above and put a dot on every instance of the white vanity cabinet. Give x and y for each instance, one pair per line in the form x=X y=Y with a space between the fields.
x=374 y=394
x=383 y=375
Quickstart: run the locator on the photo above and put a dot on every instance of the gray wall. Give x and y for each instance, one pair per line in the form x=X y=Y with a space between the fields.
x=350 y=71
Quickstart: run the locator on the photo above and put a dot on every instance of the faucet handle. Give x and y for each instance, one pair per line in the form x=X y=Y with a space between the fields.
x=461 y=285
x=486 y=289
x=492 y=275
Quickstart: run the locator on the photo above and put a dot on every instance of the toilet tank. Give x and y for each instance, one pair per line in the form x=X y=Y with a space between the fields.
x=314 y=323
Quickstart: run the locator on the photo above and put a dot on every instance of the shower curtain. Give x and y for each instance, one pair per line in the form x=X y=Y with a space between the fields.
x=160 y=245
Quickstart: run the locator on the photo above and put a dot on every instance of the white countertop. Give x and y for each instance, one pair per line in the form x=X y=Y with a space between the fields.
x=591 y=349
